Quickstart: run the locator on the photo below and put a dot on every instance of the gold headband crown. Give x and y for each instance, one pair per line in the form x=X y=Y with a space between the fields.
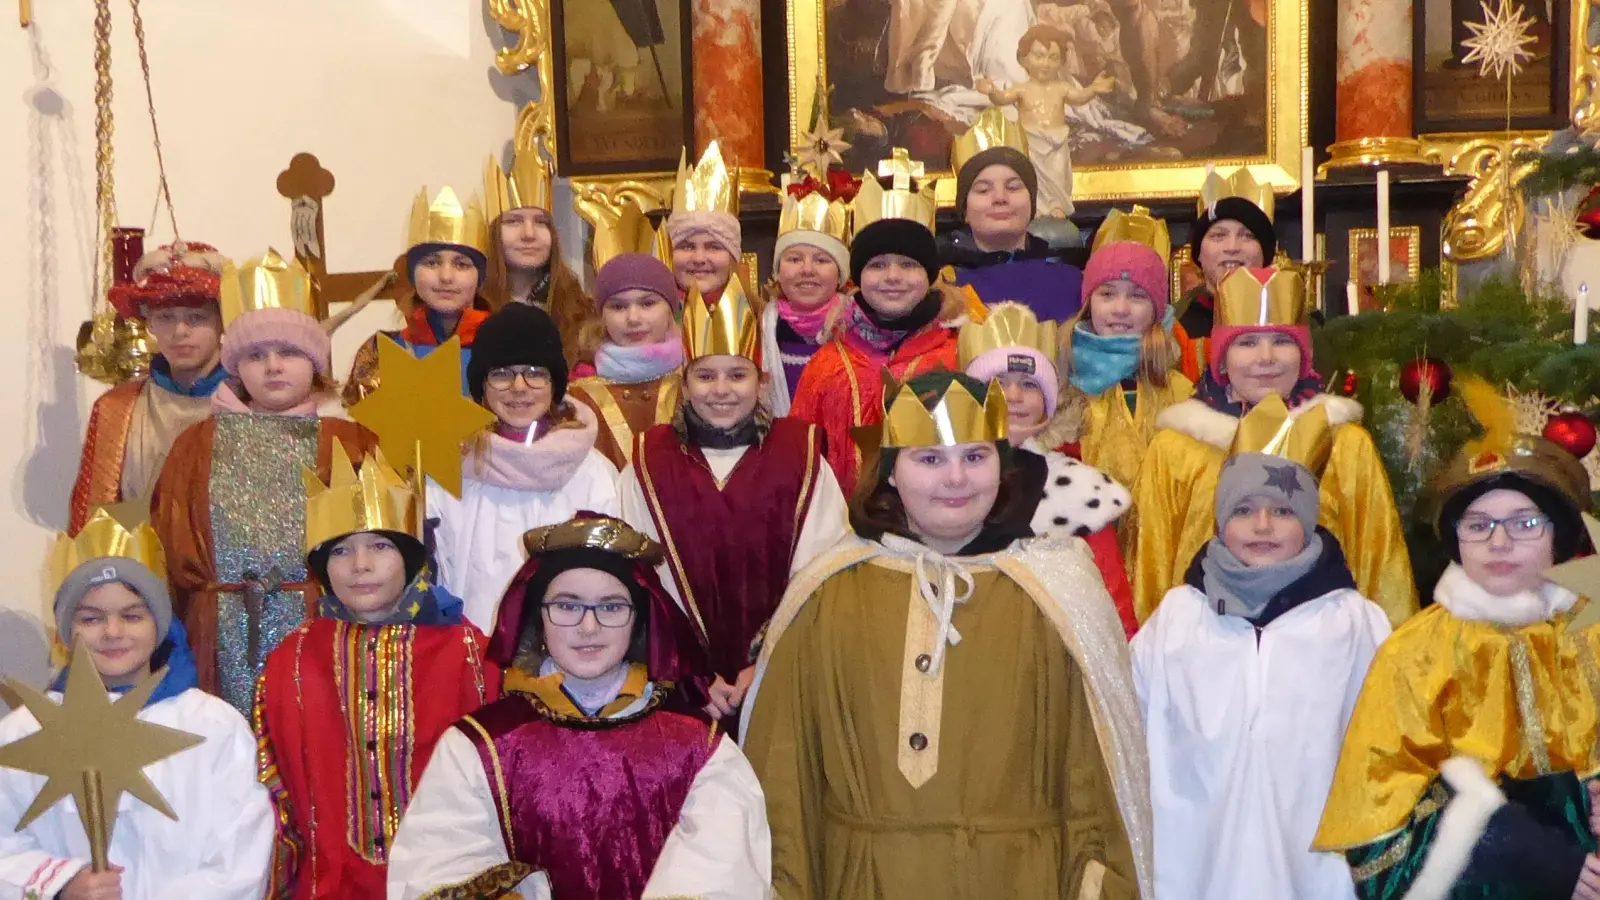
x=1009 y=325
x=266 y=282
x=447 y=221
x=593 y=532
x=376 y=500
x=729 y=327
x=814 y=212
x=527 y=184
x=120 y=531
x=624 y=228
x=992 y=129
x=899 y=201
x=1270 y=428
x=1244 y=300
x=711 y=186
x=958 y=417
x=1137 y=226
x=1240 y=184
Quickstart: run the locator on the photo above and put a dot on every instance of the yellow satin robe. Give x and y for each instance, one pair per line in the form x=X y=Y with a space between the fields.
x=1115 y=437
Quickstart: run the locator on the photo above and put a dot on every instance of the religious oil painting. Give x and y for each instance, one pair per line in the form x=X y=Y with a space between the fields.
x=622 y=71
x=1405 y=259
x=1117 y=98
x=1455 y=92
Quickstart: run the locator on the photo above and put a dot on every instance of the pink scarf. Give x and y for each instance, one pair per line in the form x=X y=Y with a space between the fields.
x=226 y=401
x=544 y=465
x=808 y=323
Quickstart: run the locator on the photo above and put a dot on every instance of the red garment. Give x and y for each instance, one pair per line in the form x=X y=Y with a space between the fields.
x=1108 y=557
x=105 y=445
x=348 y=716
x=842 y=388
x=418 y=333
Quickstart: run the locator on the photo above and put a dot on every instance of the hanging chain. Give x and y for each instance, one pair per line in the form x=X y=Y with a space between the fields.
x=105 y=195
x=155 y=130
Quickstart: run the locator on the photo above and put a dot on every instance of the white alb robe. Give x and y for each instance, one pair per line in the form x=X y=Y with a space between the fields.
x=1244 y=736
x=219 y=848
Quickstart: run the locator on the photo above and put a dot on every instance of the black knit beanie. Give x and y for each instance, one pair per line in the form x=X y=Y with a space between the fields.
x=902 y=236
x=996 y=156
x=518 y=335
x=1244 y=212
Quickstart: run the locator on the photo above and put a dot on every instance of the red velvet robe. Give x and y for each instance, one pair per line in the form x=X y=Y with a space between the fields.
x=104 y=445
x=348 y=716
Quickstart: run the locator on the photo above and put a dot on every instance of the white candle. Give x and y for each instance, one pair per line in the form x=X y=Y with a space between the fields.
x=1383 y=227
x=1580 y=316
x=1352 y=298
x=1308 y=206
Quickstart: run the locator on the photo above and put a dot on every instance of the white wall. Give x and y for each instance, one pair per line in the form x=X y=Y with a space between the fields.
x=389 y=94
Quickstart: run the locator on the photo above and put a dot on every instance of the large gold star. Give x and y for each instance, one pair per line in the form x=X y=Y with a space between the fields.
x=1582 y=577
x=418 y=411
x=87 y=732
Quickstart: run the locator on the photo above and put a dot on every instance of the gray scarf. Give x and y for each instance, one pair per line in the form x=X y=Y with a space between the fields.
x=1235 y=589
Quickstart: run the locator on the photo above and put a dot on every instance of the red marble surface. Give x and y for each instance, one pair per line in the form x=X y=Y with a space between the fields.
x=727 y=78
x=1375 y=101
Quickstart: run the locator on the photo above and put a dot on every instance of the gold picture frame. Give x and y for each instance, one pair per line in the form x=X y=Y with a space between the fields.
x=1285 y=113
x=1363 y=243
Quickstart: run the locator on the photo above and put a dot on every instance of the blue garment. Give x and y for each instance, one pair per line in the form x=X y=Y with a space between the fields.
x=161 y=374
x=424 y=603
x=1040 y=277
x=178 y=660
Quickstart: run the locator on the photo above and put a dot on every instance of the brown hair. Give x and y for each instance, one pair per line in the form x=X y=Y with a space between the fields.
x=1042 y=34
x=570 y=306
x=876 y=508
x=1158 y=351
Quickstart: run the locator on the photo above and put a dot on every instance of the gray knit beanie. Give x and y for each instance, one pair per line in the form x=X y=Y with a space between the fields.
x=133 y=575
x=1261 y=475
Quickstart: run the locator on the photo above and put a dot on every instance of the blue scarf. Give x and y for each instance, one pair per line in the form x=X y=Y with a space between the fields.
x=1102 y=361
x=179 y=662
x=161 y=374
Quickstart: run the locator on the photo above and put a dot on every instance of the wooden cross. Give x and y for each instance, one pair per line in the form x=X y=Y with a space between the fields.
x=306 y=184
x=901 y=168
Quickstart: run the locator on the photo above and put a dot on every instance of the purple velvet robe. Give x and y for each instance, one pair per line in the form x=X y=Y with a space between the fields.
x=1051 y=287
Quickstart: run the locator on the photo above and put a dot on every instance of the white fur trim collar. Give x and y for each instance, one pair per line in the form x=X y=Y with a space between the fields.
x=1466 y=600
x=1206 y=425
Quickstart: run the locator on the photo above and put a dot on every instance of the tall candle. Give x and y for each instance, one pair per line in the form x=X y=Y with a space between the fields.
x=1383 y=227
x=1352 y=298
x=1308 y=206
x=1580 y=316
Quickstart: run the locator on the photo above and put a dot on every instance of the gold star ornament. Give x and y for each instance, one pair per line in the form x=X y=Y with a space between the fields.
x=1582 y=577
x=418 y=412
x=93 y=749
x=1499 y=43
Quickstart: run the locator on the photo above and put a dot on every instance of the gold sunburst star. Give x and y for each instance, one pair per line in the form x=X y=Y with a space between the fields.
x=88 y=732
x=820 y=149
x=419 y=402
x=1499 y=43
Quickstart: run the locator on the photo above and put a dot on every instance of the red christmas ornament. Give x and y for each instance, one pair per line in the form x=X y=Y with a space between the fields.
x=1426 y=371
x=1589 y=213
x=1572 y=431
x=1349 y=385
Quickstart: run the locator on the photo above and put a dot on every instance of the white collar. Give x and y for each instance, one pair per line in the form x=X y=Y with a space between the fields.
x=1466 y=599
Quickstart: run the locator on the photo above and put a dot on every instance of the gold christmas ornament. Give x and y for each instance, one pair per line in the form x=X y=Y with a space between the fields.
x=992 y=129
x=1270 y=428
x=1009 y=325
x=121 y=529
x=899 y=201
x=1137 y=226
x=1243 y=300
x=729 y=327
x=447 y=221
x=376 y=500
x=814 y=212
x=528 y=184
x=624 y=228
x=266 y=282
x=1240 y=184
x=711 y=186
x=958 y=418
x=593 y=533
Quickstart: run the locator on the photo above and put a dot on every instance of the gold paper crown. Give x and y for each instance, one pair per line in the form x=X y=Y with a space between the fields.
x=266 y=282
x=872 y=202
x=1009 y=325
x=1269 y=428
x=447 y=221
x=105 y=534
x=1240 y=184
x=992 y=129
x=593 y=532
x=958 y=418
x=728 y=327
x=814 y=212
x=625 y=228
x=1137 y=226
x=711 y=186
x=1242 y=300
x=527 y=184
x=376 y=500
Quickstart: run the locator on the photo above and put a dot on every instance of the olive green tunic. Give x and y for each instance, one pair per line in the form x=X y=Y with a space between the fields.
x=1021 y=805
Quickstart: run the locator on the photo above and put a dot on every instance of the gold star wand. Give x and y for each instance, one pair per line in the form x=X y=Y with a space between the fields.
x=93 y=750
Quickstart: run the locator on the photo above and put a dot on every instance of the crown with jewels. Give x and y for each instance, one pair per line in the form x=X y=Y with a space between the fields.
x=899 y=201
x=1270 y=428
x=447 y=221
x=729 y=327
x=592 y=531
x=992 y=129
x=711 y=186
x=1240 y=184
x=1137 y=226
x=378 y=499
x=958 y=418
x=527 y=184
x=266 y=282
x=1245 y=300
x=1009 y=325
x=814 y=212
x=104 y=534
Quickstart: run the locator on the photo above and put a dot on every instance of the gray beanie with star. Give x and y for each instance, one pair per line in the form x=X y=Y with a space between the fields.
x=1262 y=475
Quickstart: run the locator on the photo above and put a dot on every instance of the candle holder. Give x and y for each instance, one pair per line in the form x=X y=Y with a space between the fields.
x=1316 y=273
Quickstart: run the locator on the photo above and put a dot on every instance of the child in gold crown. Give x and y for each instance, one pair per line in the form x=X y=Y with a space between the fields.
x=350 y=705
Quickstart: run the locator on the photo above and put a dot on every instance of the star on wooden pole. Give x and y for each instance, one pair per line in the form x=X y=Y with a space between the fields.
x=418 y=412
x=1499 y=43
x=93 y=750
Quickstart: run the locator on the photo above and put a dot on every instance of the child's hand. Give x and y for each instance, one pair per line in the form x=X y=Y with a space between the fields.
x=1594 y=807
x=1105 y=84
x=87 y=885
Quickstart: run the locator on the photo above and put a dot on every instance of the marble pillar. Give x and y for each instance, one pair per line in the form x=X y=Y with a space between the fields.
x=1374 y=70
x=728 y=105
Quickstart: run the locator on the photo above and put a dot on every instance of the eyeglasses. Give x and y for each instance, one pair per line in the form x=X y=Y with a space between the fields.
x=570 y=615
x=1478 y=529
x=504 y=377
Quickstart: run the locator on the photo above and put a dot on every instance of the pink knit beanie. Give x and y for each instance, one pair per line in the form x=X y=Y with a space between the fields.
x=992 y=364
x=1131 y=261
x=1224 y=335
x=635 y=271
x=722 y=227
x=276 y=326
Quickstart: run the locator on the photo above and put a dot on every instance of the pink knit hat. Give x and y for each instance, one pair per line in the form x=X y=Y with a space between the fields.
x=991 y=364
x=1223 y=335
x=635 y=271
x=1131 y=261
x=722 y=227
x=276 y=326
